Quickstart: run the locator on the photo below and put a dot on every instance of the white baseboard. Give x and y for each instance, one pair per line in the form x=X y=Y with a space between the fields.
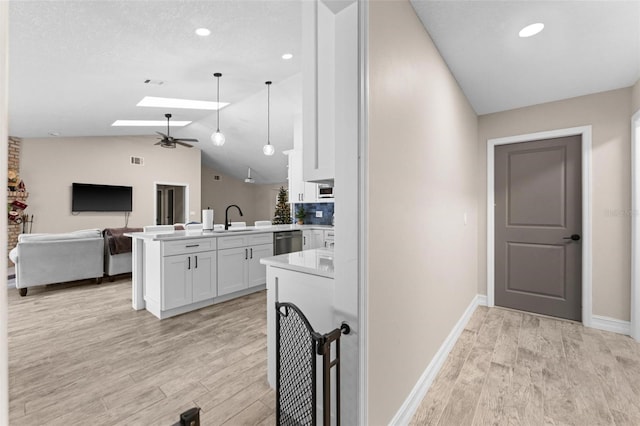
x=611 y=324
x=482 y=299
x=411 y=404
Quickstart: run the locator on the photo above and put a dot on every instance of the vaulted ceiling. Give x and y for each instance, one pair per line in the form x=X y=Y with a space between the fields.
x=77 y=66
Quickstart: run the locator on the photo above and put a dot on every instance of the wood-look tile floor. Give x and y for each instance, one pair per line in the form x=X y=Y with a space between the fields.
x=512 y=368
x=80 y=355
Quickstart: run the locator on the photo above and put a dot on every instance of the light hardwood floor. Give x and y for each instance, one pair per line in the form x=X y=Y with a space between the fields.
x=79 y=355
x=512 y=368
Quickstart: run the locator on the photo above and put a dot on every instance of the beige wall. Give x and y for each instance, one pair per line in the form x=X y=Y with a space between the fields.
x=422 y=258
x=609 y=114
x=635 y=97
x=50 y=165
x=256 y=201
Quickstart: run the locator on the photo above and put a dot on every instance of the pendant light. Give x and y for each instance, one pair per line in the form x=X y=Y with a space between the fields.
x=218 y=138
x=249 y=179
x=268 y=148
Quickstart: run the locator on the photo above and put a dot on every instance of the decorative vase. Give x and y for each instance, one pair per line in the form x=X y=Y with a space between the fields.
x=300 y=222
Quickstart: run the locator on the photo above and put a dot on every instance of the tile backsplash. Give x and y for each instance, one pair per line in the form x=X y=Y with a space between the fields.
x=311 y=209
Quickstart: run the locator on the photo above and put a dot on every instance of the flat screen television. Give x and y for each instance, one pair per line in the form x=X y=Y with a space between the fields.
x=86 y=197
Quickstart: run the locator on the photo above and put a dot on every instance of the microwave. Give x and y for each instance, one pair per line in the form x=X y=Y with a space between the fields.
x=325 y=191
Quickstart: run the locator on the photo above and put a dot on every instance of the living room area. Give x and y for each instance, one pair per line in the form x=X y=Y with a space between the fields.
x=78 y=352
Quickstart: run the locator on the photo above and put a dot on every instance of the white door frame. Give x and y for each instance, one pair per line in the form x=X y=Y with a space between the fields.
x=635 y=226
x=155 y=199
x=585 y=132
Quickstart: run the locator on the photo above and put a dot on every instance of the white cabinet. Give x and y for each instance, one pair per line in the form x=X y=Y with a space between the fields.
x=329 y=83
x=176 y=286
x=312 y=238
x=239 y=264
x=233 y=274
x=189 y=277
x=299 y=190
x=258 y=272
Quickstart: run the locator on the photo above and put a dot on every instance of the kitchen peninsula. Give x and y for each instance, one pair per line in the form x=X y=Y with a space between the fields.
x=180 y=271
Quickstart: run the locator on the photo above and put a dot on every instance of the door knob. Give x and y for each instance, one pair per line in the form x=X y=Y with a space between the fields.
x=574 y=237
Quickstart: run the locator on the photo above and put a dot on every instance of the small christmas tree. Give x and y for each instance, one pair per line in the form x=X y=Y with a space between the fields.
x=282 y=216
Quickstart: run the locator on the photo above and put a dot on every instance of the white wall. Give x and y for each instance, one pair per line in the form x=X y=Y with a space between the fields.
x=256 y=201
x=50 y=165
x=635 y=97
x=4 y=120
x=609 y=114
x=422 y=262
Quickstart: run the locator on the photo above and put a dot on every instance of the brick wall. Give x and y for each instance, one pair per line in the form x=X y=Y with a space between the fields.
x=14 y=229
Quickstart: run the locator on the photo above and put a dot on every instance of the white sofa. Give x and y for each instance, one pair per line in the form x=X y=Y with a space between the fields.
x=42 y=259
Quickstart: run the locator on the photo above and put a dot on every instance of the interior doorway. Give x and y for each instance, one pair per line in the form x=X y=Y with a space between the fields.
x=171 y=203
x=586 y=238
x=538 y=227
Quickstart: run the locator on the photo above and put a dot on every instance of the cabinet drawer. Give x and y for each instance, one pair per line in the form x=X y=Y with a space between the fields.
x=188 y=246
x=266 y=238
x=232 y=241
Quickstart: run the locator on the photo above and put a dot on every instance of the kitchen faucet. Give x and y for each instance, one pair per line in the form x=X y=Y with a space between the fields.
x=226 y=215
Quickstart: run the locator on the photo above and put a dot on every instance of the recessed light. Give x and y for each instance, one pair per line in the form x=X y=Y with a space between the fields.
x=151 y=101
x=203 y=32
x=287 y=56
x=148 y=123
x=531 y=30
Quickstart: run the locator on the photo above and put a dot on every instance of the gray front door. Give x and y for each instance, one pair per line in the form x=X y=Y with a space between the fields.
x=538 y=223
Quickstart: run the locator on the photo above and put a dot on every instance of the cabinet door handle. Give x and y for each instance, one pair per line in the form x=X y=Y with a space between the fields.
x=196 y=261
x=189 y=264
x=251 y=250
x=246 y=254
x=304 y=241
x=193 y=245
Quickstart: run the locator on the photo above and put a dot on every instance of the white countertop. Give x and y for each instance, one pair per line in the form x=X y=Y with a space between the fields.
x=182 y=235
x=316 y=262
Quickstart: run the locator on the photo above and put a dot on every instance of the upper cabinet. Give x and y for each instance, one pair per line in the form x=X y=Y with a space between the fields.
x=330 y=83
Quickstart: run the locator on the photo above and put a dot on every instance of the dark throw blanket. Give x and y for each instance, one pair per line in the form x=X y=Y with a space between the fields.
x=116 y=240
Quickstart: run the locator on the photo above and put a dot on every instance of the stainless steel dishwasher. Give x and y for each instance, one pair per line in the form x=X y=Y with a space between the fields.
x=287 y=242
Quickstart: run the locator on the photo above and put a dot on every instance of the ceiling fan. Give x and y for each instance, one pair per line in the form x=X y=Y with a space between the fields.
x=168 y=142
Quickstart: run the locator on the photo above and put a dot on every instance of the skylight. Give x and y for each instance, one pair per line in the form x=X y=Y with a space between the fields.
x=531 y=30
x=149 y=123
x=150 y=101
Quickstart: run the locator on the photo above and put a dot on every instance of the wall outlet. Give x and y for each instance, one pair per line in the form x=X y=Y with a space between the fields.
x=318 y=213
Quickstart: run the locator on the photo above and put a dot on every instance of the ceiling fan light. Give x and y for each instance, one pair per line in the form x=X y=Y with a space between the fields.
x=217 y=138
x=268 y=149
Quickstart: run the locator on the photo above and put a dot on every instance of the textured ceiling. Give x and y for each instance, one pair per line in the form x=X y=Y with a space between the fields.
x=586 y=47
x=77 y=66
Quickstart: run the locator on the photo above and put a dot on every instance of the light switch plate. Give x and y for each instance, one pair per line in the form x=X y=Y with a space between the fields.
x=318 y=213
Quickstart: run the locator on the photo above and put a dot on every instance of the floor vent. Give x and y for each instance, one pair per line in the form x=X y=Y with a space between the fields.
x=137 y=161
